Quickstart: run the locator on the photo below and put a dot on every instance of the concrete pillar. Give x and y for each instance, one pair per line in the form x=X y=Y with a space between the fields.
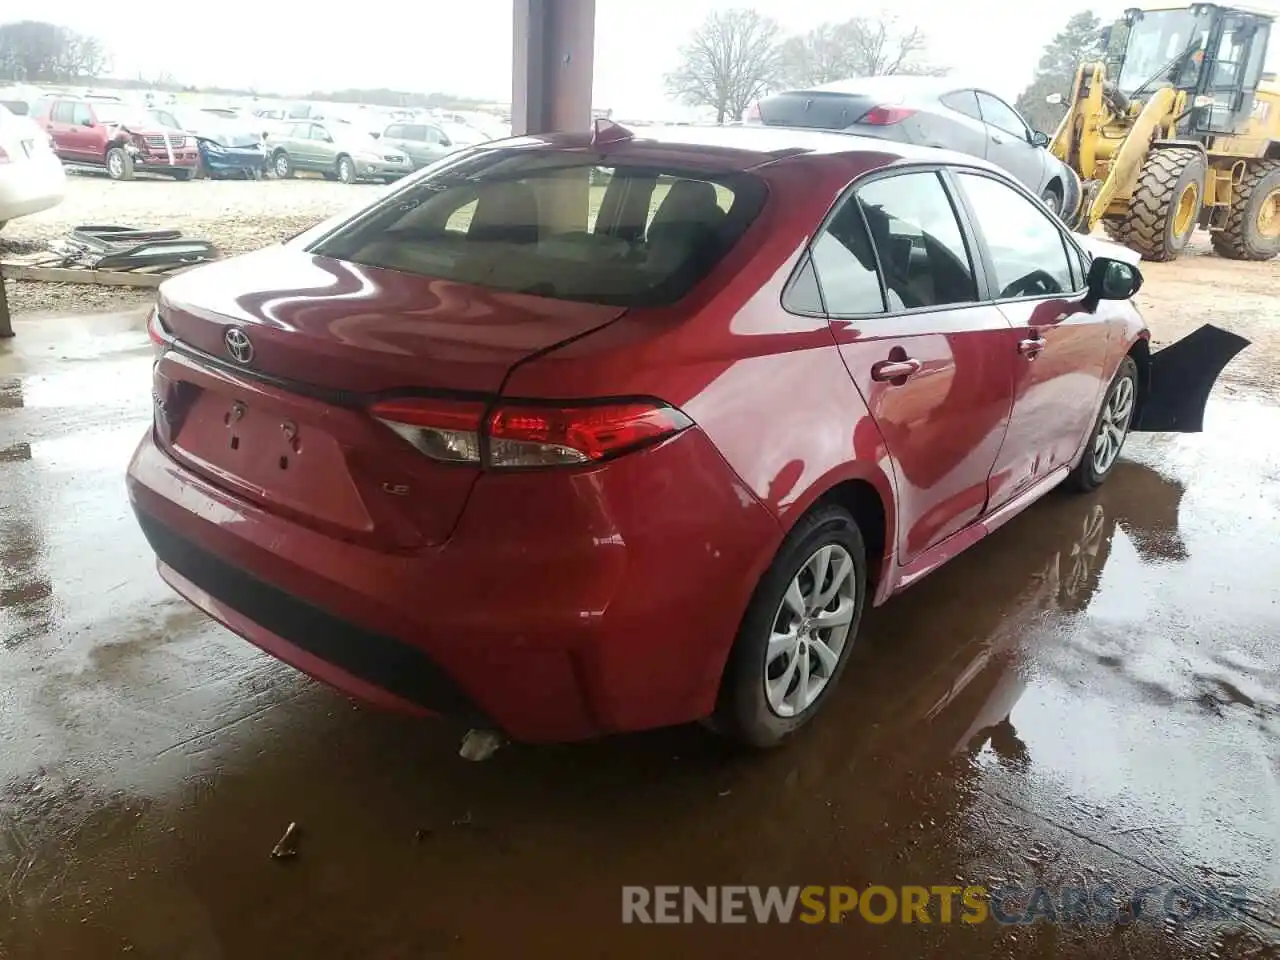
x=554 y=52
x=6 y=326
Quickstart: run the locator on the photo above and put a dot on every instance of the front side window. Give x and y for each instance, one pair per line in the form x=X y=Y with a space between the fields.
x=999 y=114
x=918 y=241
x=1028 y=251
x=396 y=132
x=81 y=114
x=556 y=224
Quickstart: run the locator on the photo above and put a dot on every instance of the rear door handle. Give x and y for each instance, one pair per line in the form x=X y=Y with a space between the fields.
x=1031 y=347
x=895 y=369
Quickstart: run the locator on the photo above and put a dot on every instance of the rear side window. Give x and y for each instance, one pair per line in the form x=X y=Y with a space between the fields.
x=1028 y=252
x=556 y=224
x=846 y=264
x=918 y=240
x=963 y=101
x=80 y=113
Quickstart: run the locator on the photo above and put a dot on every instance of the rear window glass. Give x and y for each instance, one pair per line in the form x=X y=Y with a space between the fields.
x=556 y=224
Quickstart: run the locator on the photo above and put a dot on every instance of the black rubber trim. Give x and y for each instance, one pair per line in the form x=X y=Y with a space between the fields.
x=384 y=661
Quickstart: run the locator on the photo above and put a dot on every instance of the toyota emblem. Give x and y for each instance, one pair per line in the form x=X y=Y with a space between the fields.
x=238 y=344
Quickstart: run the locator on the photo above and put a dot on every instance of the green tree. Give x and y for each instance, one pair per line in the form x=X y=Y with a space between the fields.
x=1076 y=43
x=731 y=60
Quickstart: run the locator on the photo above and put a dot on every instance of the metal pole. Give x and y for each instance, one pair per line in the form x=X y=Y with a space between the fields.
x=6 y=325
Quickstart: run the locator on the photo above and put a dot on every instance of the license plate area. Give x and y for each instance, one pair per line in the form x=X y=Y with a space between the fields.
x=277 y=461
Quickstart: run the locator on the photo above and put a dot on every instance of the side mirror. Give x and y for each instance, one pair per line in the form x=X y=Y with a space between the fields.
x=87 y=122
x=1112 y=280
x=1039 y=139
x=1054 y=98
x=376 y=135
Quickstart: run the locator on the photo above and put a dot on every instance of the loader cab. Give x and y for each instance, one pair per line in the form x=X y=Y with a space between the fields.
x=1216 y=54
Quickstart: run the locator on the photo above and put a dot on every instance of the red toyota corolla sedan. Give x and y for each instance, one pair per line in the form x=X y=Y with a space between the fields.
x=581 y=434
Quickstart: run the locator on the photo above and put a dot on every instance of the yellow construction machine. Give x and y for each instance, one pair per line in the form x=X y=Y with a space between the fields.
x=1179 y=126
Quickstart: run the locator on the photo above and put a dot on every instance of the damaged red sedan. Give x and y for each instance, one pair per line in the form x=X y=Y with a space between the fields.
x=570 y=435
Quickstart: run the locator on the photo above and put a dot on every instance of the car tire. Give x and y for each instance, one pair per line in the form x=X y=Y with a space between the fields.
x=1115 y=416
x=282 y=166
x=761 y=661
x=1052 y=199
x=119 y=164
x=182 y=175
x=346 y=170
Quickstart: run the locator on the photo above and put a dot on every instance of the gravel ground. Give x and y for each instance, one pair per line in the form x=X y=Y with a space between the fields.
x=236 y=215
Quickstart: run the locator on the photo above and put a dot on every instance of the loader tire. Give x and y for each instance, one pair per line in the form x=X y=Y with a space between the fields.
x=1165 y=207
x=1252 y=230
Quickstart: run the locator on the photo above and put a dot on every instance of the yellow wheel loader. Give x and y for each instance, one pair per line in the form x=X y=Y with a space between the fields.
x=1178 y=126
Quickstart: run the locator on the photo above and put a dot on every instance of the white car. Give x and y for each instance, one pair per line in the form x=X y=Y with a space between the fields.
x=31 y=175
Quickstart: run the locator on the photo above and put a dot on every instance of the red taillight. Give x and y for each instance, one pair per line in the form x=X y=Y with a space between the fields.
x=527 y=436
x=160 y=338
x=752 y=114
x=445 y=430
x=550 y=436
x=882 y=116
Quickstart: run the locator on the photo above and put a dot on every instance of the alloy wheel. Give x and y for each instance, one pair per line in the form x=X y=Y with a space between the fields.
x=810 y=630
x=1114 y=425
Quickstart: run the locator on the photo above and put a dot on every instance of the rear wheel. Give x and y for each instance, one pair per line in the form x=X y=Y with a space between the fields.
x=1165 y=206
x=346 y=170
x=119 y=164
x=1109 y=430
x=1252 y=230
x=282 y=165
x=797 y=633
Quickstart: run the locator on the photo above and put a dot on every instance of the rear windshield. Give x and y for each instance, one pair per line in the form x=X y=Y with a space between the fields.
x=556 y=224
x=813 y=108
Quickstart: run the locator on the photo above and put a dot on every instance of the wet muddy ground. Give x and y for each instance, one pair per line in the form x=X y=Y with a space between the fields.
x=1088 y=697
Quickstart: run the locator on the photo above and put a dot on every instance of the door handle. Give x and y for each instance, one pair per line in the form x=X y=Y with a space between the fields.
x=895 y=369
x=1031 y=347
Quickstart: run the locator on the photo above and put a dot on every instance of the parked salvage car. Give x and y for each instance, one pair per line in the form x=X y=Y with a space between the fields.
x=337 y=150
x=934 y=112
x=31 y=177
x=228 y=147
x=117 y=137
x=422 y=143
x=559 y=475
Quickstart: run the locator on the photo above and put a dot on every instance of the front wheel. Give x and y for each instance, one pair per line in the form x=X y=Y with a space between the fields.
x=1053 y=201
x=346 y=170
x=119 y=164
x=181 y=175
x=282 y=165
x=797 y=633
x=1109 y=430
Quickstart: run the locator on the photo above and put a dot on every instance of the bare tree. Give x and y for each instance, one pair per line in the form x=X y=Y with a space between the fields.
x=34 y=51
x=731 y=60
x=859 y=47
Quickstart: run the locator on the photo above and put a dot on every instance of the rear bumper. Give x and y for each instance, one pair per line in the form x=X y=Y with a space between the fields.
x=610 y=607
x=30 y=186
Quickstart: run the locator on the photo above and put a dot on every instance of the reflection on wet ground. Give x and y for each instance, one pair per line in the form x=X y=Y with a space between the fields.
x=1089 y=697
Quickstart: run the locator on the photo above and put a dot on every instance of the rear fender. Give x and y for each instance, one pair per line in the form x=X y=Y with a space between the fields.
x=1179 y=378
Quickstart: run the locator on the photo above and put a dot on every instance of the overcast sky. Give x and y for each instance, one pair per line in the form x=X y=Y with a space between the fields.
x=464 y=46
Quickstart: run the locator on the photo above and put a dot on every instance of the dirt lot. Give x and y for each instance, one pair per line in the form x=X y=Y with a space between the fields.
x=237 y=215
x=242 y=215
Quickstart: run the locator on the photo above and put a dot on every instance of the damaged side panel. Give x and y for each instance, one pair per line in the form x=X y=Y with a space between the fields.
x=1180 y=378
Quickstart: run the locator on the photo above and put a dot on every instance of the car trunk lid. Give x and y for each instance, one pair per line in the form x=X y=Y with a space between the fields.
x=278 y=355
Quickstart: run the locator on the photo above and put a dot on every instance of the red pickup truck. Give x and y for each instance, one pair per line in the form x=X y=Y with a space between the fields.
x=116 y=136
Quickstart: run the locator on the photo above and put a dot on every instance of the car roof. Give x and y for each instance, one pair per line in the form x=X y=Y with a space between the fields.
x=747 y=147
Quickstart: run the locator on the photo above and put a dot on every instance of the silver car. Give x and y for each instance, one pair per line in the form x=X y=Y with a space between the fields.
x=337 y=150
x=934 y=112
x=424 y=143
